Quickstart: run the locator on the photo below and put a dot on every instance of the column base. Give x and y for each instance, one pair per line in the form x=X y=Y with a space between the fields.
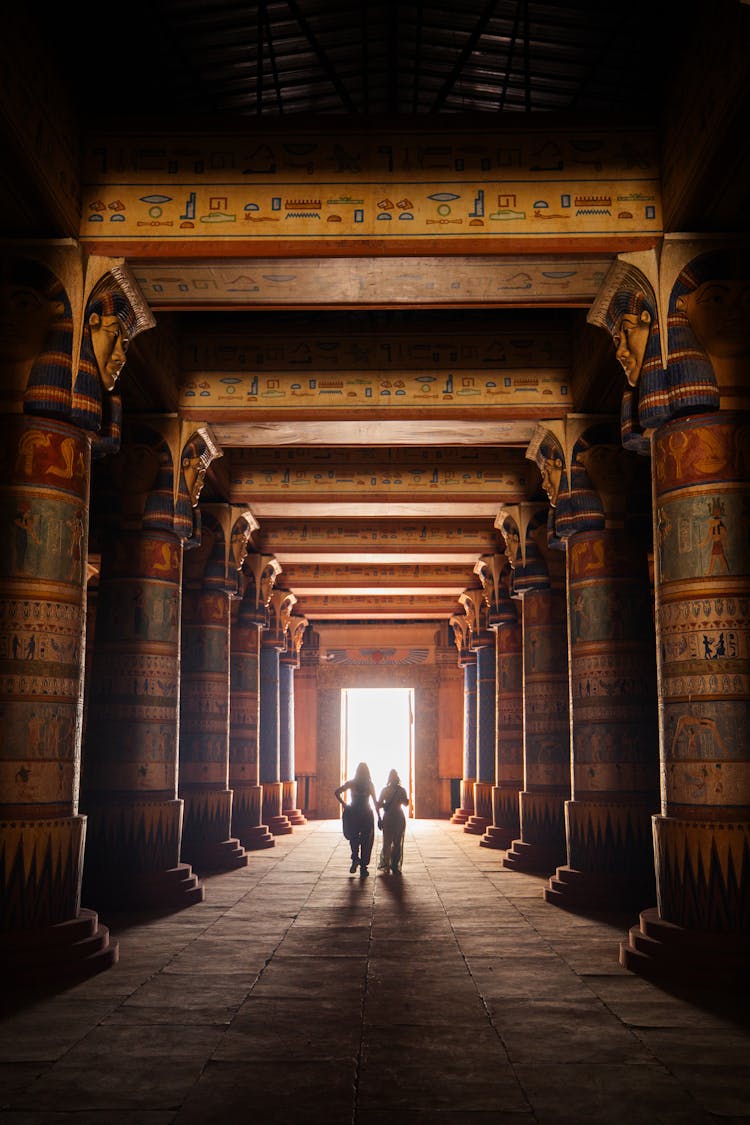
x=226 y=855
x=572 y=889
x=476 y=825
x=174 y=888
x=66 y=952
x=532 y=859
x=498 y=838
x=279 y=825
x=256 y=838
x=461 y=816
x=659 y=950
x=295 y=816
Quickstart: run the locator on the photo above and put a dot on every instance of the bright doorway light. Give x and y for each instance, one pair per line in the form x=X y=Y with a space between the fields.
x=377 y=727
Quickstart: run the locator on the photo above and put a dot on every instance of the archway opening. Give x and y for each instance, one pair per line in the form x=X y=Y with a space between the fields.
x=377 y=727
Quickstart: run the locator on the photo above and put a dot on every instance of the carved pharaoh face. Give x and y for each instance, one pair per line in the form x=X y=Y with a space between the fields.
x=551 y=470
x=194 y=471
x=26 y=317
x=630 y=340
x=239 y=544
x=110 y=346
x=719 y=314
x=512 y=539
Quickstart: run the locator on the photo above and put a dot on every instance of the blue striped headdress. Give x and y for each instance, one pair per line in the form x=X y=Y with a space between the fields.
x=692 y=382
x=48 y=388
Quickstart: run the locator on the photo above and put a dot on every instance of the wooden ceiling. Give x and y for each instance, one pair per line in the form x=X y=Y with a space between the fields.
x=372 y=516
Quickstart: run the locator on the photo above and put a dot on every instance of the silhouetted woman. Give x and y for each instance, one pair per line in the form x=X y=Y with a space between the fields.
x=391 y=801
x=362 y=831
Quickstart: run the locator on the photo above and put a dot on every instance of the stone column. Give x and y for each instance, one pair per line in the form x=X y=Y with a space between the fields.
x=272 y=644
x=129 y=788
x=209 y=582
x=288 y=664
x=603 y=517
x=258 y=575
x=538 y=575
x=55 y=350
x=482 y=643
x=495 y=574
x=699 y=427
x=468 y=662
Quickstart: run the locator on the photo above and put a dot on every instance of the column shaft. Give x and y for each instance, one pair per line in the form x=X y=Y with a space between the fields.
x=541 y=846
x=247 y=813
x=485 y=740
x=613 y=723
x=462 y=814
x=204 y=733
x=130 y=762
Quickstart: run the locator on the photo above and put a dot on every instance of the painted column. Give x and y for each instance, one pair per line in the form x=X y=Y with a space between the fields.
x=602 y=514
x=495 y=574
x=209 y=581
x=538 y=576
x=272 y=644
x=288 y=664
x=482 y=644
x=696 y=408
x=468 y=662
x=46 y=440
x=258 y=575
x=129 y=786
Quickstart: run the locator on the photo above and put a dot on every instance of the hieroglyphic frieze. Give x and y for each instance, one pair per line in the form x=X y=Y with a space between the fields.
x=375 y=471
x=385 y=185
x=531 y=279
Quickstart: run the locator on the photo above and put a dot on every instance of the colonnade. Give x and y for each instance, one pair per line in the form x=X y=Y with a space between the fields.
x=632 y=593
x=121 y=816
x=605 y=657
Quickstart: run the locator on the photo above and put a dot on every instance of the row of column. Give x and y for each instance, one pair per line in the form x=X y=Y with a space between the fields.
x=630 y=596
x=113 y=785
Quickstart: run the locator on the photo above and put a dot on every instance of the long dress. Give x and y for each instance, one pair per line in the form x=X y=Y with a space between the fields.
x=393 y=798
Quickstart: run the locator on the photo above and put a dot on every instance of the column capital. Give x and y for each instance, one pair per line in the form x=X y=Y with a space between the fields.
x=259 y=574
x=592 y=482
x=295 y=638
x=697 y=361
x=461 y=627
x=494 y=572
x=228 y=528
x=154 y=481
x=72 y=349
x=279 y=607
x=535 y=563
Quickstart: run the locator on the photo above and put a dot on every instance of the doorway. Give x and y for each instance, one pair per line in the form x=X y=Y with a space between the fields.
x=377 y=727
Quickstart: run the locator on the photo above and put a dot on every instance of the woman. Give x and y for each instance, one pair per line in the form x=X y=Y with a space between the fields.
x=362 y=820
x=391 y=800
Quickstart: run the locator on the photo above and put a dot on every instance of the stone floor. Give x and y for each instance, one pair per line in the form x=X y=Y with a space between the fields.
x=297 y=993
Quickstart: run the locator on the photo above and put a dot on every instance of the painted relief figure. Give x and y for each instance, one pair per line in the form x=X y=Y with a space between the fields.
x=716 y=536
